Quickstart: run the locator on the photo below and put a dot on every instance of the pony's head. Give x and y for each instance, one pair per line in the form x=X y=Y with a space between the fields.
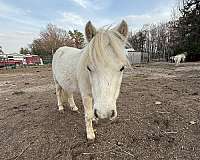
x=106 y=63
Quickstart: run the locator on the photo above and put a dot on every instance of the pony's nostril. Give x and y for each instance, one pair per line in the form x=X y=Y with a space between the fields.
x=95 y=113
x=112 y=113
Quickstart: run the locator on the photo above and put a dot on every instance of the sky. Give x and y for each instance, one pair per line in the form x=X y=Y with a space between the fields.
x=22 y=20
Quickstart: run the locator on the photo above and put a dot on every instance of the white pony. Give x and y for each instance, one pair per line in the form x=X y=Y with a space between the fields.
x=95 y=72
x=180 y=57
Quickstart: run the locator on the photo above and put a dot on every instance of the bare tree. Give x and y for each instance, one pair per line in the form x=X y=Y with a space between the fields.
x=50 y=40
x=53 y=38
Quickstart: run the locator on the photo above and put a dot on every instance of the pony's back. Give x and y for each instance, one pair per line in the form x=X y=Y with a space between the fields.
x=64 y=64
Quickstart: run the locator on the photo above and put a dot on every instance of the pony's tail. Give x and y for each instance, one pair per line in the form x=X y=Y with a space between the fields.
x=64 y=96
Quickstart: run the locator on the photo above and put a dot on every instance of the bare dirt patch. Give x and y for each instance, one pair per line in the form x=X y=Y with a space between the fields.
x=158 y=107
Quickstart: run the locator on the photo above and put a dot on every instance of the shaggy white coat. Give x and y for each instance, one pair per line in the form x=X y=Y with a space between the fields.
x=95 y=72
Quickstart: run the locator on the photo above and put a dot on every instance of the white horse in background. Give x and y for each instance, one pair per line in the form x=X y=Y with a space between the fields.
x=180 y=58
x=96 y=72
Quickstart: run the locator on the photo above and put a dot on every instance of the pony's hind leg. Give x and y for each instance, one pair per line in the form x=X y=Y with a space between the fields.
x=71 y=102
x=58 y=94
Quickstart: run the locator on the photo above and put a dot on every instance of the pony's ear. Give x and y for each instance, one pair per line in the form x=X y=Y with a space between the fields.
x=90 y=31
x=123 y=28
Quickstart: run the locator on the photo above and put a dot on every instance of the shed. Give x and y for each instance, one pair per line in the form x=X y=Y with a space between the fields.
x=133 y=57
x=136 y=57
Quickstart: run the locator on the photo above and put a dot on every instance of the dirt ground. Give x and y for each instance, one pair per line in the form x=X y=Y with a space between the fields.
x=158 y=117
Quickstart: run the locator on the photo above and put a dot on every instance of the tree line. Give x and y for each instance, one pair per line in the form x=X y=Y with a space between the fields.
x=179 y=35
x=161 y=41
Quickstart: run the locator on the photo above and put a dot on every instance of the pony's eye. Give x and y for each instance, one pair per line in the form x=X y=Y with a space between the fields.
x=88 y=69
x=122 y=69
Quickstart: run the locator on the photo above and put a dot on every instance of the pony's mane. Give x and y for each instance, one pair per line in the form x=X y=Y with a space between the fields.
x=96 y=49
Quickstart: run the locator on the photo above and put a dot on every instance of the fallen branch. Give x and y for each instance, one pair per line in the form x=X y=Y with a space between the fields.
x=170 y=132
x=23 y=151
x=163 y=112
x=89 y=153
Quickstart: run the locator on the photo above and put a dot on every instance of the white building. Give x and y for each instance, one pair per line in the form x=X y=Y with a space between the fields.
x=14 y=56
x=136 y=57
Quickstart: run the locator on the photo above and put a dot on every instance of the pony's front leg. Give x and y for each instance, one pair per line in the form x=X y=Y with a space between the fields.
x=87 y=102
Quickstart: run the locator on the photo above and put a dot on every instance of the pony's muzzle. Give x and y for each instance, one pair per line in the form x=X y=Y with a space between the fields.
x=106 y=116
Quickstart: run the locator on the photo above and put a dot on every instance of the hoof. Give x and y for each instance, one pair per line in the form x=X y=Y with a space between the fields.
x=89 y=141
x=74 y=108
x=91 y=138
x=60 y=107
x=61 y=111
x=95 y=120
